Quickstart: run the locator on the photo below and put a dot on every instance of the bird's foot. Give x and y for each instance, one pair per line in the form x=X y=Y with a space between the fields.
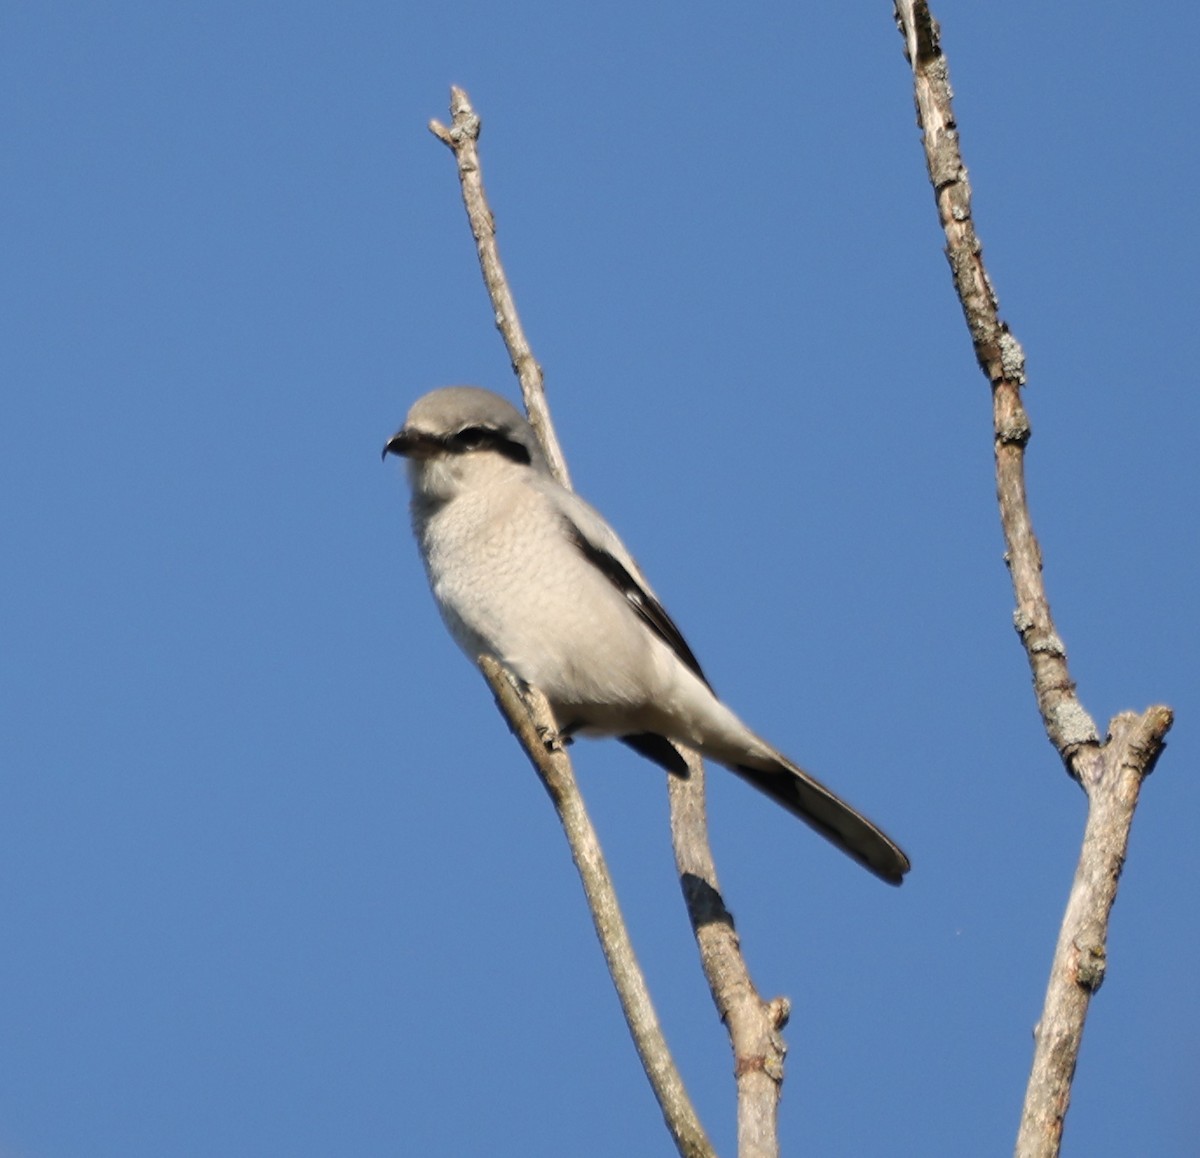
x=552 y=739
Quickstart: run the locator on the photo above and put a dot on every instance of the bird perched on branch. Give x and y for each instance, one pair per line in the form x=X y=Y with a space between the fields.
x=524 y=571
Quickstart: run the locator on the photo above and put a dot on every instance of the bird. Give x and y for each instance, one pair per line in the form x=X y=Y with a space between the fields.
x=526 y=572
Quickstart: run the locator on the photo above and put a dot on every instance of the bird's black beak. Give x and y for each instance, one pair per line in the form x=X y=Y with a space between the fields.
x=400 y=443
x=409 y=443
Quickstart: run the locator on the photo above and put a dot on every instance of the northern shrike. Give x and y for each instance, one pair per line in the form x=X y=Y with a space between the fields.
x=526 y=572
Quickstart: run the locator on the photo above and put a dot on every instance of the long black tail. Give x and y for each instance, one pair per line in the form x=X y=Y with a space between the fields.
x=831 y=816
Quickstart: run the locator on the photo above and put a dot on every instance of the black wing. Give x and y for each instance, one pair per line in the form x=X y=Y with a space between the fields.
x=648 y=608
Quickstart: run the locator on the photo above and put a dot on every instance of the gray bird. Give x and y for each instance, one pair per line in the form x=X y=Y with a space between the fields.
x=526 y=572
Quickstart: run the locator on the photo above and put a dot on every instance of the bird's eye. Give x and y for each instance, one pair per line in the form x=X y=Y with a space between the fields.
x=488 y=438
x=474 y=437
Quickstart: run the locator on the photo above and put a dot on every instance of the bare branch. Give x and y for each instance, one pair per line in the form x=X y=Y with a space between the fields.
x=532 y=722
x=753 y=1023
x=1080 y=958
x=525 y=709
x=462 y=137
x=1110 y=772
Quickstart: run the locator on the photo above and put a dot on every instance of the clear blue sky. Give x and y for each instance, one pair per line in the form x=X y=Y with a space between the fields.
x=273 y=878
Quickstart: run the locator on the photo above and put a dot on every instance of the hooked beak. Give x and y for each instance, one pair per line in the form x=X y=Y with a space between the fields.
x=410 y=444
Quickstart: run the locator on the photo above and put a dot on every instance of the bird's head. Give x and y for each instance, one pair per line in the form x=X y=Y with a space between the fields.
x=457 y=437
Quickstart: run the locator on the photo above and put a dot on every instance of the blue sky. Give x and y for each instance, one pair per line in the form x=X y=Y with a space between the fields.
x=273 y=877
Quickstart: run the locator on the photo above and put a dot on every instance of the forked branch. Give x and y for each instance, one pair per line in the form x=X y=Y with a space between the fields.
x=1110 y=772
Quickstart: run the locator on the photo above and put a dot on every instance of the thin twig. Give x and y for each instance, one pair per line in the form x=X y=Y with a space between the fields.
x=532 y=722
x=1111 y=772
x=753 y=1024
x=526 y=710
x=462 y=139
